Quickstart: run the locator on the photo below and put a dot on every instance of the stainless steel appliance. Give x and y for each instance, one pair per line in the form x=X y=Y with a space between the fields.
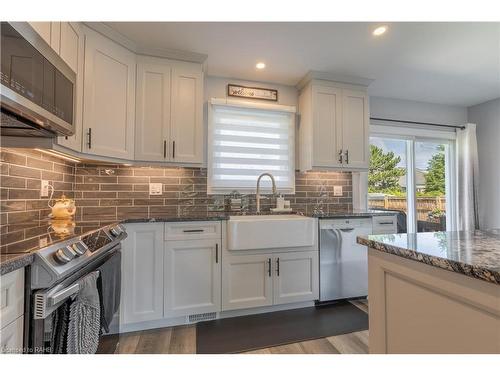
x=343 y=263
x=37 y=86
x=55 y=273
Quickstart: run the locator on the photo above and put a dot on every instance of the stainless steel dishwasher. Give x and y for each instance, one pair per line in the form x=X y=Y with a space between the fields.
x=343 y=263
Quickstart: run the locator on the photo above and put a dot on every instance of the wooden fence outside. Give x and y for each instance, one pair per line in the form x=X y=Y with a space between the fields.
x=425 y=205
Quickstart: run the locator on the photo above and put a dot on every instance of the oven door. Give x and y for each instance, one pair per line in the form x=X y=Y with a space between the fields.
x=47 y=303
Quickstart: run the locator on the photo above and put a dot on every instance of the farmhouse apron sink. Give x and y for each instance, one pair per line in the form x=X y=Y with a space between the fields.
x=254 y=232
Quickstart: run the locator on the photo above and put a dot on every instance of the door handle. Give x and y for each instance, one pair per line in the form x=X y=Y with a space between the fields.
x=269 y=266
x=347 y=156
x=89 y=138
x=340 y=156
x=216 y=253
x=173 y=149
x=164 y=149
x=277 y=266
x=347 y=229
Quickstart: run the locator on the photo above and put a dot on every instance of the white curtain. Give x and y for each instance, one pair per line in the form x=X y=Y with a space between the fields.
x=467 y=178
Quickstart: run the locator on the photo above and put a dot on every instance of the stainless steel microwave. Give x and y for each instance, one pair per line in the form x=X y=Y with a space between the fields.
x=37 y=86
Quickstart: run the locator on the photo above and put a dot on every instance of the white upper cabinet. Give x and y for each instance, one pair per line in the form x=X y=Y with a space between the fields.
x=44 y=29
x=72 y=46
x=169 y=112
x=355 y=129
x=186 y=131
x=152 y=124
x=326 y=130
x=109 y=98
x=333 y=126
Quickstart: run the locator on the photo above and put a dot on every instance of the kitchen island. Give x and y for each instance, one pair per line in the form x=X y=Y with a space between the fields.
x=434 y=292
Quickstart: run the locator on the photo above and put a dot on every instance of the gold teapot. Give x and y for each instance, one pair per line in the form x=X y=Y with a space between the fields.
x=63 y=208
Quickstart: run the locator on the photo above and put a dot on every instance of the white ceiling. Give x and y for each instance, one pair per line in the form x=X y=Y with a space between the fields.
x=447 y=63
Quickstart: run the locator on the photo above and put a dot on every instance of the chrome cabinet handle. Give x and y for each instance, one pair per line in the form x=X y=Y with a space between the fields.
x=89 y=138
x=386 y=223
x=193 y=230
x=347 y=156
x=164 y=149
x=269 y=266
x=216 y=253
x=277 y=266
x=173 y=149
x=340 y=156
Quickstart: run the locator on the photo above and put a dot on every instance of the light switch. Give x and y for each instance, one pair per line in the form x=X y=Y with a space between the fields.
x=337 y=191
x=44 y=189
x=155 y=188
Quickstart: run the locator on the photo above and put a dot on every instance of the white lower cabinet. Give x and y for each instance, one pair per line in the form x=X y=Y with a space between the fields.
x=192 y=277
x=142 y=270
x=165 y=279
x=247 y=282
x=296 y=277
x=250 y=281
x=11 y=337
x=11 y=312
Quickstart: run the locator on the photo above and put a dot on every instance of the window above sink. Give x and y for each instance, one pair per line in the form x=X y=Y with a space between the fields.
x=246 y=139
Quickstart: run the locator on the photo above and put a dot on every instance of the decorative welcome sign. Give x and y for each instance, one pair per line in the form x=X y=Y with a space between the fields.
x=252 y=92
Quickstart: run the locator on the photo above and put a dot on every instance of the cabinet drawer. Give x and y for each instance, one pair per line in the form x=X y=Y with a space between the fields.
x=11 y=297
x=192 y=230
x=385 y=225
x=11 y=337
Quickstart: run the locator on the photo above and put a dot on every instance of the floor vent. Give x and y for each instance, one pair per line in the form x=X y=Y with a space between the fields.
x=201 y=317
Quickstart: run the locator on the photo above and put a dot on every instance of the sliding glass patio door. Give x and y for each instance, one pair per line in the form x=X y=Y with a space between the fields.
x=415 y=176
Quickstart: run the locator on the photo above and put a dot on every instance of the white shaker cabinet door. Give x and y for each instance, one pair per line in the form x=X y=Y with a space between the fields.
x=246 y=281
x=186 y=134
x=109 y=98
x=152 y=124
x=44 y=29
x=142 y=273
x=11 y=337
x=355 y=129
x=296 y=277
x=72 y=46
x=327 y=133
x=192 y=277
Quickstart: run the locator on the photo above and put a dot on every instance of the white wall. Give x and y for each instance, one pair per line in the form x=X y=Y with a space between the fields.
x=409 y=110
x=487 y=118
x=216 y=87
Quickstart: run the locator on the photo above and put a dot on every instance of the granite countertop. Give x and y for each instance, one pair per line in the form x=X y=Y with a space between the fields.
x=12 y=262
x=475 y=253
x=20 y=241
x=354 y=213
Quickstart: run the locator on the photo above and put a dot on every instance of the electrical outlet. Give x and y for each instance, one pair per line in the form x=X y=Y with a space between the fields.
x=44 y=189
x=156 y=188
x=337 y=191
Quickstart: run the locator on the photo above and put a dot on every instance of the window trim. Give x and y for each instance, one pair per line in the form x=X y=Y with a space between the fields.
x=238 y=103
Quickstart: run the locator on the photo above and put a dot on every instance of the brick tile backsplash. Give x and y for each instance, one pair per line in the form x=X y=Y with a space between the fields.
x=110 y=192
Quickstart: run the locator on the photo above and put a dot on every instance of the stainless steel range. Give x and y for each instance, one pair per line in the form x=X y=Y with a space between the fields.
x=56 y=272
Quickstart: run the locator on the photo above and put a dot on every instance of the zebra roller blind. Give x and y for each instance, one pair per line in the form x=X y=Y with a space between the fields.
x=245 y=142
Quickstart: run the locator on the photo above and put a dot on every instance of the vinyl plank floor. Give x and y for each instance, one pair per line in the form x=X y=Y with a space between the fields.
x=182 y=340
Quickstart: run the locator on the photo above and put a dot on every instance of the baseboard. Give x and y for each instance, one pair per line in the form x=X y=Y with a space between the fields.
x=183 y=320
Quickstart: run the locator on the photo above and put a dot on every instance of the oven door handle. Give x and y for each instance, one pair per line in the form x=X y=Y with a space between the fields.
x=64 y=294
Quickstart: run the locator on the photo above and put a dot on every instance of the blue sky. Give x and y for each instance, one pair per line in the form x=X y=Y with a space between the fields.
x=423 y=150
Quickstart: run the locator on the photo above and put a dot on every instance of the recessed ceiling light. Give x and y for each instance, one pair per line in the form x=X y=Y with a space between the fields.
x=379 y=30
x=260 y=65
